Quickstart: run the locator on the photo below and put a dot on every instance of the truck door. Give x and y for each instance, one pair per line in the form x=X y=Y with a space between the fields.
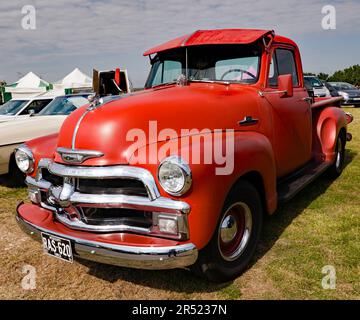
x=291 y=116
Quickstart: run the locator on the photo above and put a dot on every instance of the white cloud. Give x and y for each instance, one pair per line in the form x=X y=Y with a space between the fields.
x=91 y=29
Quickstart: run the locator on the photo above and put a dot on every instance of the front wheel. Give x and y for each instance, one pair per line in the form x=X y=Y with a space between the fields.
x=235 y=239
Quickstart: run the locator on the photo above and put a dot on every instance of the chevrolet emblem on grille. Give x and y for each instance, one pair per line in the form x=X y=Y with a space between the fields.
x=77 y=156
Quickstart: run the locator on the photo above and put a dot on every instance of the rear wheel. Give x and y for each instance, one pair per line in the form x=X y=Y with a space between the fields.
x=235 y=239
x=337 y=167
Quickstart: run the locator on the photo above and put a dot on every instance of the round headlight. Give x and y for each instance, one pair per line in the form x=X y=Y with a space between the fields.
x=174 y=176
x=24 y=159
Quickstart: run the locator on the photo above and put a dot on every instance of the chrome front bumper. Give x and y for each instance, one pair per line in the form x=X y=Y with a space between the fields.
x=152 y=258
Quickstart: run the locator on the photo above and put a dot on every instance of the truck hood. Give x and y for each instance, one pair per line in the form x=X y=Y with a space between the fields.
x=111 y=128
x=14 y=132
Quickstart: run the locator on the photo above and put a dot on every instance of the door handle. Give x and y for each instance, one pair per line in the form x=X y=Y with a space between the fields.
x=308 y=99
x=248 y=121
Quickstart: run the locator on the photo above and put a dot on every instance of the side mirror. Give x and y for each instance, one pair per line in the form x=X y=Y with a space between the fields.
x=285 y=82
x=31 y=112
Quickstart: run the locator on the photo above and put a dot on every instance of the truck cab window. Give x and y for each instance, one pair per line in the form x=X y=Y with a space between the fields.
x=282 y=62
x=273 y=73
x=286 y=64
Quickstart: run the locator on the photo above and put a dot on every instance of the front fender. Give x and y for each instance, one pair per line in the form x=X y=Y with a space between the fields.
x=43 y=147
x=250 y=152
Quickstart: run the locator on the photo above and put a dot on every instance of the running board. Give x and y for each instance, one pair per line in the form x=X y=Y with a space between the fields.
x=289 y=187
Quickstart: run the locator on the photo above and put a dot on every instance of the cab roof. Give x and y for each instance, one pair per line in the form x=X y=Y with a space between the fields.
x=219 y=36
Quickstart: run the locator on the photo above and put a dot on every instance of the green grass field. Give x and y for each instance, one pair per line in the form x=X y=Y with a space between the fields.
x=320 y=227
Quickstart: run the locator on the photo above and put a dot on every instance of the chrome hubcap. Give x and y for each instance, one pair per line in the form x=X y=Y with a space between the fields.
x=234 y=231
x=228 y=229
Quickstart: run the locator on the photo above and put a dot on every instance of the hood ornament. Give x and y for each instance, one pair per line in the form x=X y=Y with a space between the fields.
x=95 y=102
x=77 y=156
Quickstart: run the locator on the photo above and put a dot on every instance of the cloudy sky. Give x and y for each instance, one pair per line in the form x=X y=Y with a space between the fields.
x=109 y=33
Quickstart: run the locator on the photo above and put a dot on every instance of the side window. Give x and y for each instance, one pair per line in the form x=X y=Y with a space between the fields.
x=36 y=105
x=282 y=62
x=286 y=64
x=273 y=73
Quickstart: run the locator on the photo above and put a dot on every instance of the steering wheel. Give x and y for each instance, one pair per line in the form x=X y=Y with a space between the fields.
x=238 y=70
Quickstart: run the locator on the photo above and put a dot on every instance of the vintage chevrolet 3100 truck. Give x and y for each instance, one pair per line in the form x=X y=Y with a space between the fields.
x=92 y=196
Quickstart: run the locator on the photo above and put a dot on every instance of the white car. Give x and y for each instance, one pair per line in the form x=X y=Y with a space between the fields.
x=48 y=121
x=19 y=109
x=314 y=83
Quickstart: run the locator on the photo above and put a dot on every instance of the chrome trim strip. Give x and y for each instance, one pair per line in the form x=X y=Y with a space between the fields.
x=41 y=184
x=129 y=202
x=152 y=258
x=77 y=224
x=160 y=204
x=181 y=220
x=77 y=126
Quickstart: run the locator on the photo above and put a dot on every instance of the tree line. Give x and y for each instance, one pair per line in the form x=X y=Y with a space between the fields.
x=350 y=75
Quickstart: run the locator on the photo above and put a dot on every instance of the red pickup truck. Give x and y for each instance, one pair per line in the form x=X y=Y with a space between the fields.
x=181 y=173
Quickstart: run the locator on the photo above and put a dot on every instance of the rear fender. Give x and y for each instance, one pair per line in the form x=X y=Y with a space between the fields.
x=329 y=122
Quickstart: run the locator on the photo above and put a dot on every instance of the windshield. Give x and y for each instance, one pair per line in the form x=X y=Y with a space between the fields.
x=64 y=105
x=12 y=107
x=343 y=86
x=313 y=82
x=230 y=63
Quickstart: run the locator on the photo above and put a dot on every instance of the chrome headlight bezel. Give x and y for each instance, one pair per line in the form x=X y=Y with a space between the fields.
x=185 y=171
x=24 y=150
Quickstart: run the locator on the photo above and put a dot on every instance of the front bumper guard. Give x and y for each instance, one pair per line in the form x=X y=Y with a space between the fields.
x=152 y=258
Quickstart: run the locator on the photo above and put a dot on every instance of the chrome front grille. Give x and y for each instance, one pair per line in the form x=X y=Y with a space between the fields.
x=100 y=186
x=100 y=216
x=105 y=199
x=111 y=186
x=53 y=179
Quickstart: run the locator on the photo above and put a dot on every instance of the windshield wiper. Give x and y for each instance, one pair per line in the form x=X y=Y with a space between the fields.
x=164 y=84
x=210 y=81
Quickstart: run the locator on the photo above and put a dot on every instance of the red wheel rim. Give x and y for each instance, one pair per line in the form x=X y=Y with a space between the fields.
x=234 y=231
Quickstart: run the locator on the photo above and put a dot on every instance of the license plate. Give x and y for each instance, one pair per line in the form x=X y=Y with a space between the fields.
x=57 y=247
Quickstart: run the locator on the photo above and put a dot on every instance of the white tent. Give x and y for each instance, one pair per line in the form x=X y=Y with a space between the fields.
x=76 y=79
x=28 y=85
